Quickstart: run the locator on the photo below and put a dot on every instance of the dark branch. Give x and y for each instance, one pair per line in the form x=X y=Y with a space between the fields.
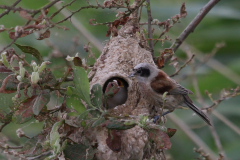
x=150 y=28
x=3 y=125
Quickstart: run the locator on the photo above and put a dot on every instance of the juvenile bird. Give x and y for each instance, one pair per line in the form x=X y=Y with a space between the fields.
x=116 y=91
x=153 y=83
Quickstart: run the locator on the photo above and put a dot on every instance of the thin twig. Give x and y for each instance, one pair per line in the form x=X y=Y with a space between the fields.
x=14 y=40
x=213 y=63
x=222 y=69
x=226 y=121
x=159 y=37
x=140 y=14
x=223 y=97
x=76 y=23
x=3 y=125
x=31 y=11
x=176 y=73
x=190 y=28
x=150 y=35
x=87 y=7
x=135 y=8
x=59 y=10
x=5 y=146
x=190 y=134
x=8 y=10
x=152 y=23
x=217 y=140
x=201 y=101
x=211 y=54
x=41 y=155
x=202 y=154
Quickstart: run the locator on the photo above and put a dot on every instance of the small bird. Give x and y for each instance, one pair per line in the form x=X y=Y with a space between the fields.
x=153 y=83
x=115 y=91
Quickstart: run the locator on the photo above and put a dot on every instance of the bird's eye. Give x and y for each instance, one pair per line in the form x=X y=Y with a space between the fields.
x=139 y=71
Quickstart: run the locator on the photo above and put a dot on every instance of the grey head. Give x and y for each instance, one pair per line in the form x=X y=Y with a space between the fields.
x=144 y=72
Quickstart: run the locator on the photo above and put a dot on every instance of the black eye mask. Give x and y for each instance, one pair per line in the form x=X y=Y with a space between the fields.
x=144 y=72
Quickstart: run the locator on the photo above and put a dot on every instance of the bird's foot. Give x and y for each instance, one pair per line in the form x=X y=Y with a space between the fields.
x=157 y=117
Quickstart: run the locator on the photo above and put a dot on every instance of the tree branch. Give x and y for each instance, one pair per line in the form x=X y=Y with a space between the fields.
x=190 y=28
x=41 y=155
x=217 y=140
x=201 y=101
x=76 y=23
x=8 y=10
x=150 y=27
x=14 y=40
x=176 y=73
x=226 y=121
x=3 y=125
x=6 y=146
x=192 y=135
x=31 y=11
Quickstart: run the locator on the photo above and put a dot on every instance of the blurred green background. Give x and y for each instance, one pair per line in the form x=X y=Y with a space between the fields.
x=222 y=24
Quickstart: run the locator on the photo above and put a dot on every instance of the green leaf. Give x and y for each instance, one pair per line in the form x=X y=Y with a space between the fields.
x=98 y=122
x=33 y=146
x=30 y=50
x=119 y=125
x=130 y=122
x=75 y=102
x=69 y=91
x=96 y=95
x=73 y=114
x=83 y=115
x=83 y=124
x=81 y=83
x=55 y=137
x=41 y=100
x=64 y=146
x=79 y=151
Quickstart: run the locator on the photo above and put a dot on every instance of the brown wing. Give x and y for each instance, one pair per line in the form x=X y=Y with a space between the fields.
x=161 y=86
x=164 y=84
x=178 y=89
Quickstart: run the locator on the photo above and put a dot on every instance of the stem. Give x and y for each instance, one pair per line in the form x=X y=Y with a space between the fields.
x=190 y=28
x=176 y=73
x=190 y=134
x=150 y=28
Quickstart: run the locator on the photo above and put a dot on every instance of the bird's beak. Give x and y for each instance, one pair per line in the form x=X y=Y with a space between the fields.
x=131 y=75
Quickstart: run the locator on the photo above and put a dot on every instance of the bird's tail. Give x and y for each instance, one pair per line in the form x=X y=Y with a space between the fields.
x=190 y=104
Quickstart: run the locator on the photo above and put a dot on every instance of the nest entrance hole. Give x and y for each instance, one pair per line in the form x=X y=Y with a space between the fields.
x=119 y=85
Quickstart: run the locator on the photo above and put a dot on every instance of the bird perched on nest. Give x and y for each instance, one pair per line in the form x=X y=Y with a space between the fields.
x=154 y=83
